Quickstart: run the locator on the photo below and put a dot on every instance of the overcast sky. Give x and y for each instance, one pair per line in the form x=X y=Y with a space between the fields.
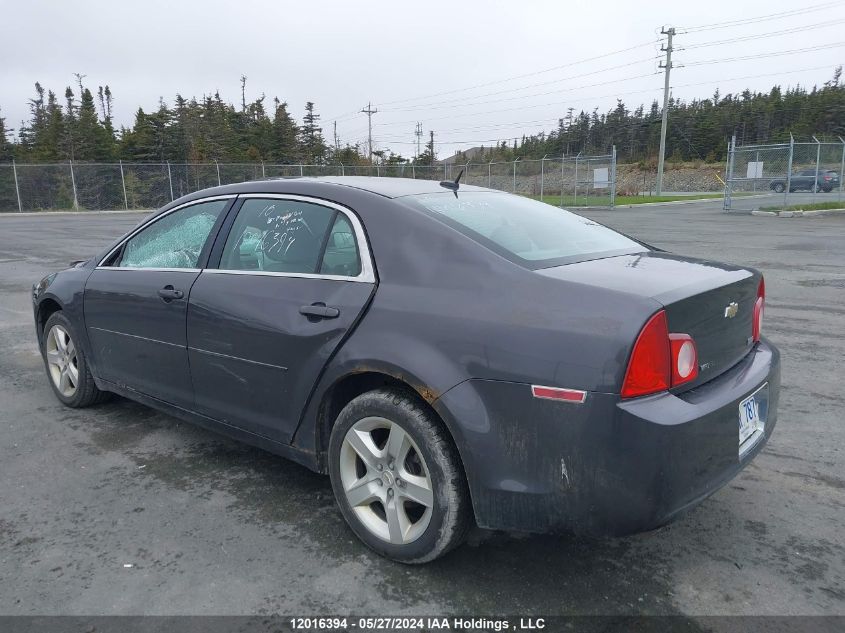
x=525 y=62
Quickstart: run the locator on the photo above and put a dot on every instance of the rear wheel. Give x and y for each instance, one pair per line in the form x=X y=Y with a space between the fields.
x=397 y=477
x=66 y=364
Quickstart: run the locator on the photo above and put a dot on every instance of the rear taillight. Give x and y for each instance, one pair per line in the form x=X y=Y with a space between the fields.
x=660 y=360
x=759 y=305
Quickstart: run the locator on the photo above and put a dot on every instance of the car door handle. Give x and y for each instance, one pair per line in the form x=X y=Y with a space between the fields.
x=169 y=293
x=319 y=311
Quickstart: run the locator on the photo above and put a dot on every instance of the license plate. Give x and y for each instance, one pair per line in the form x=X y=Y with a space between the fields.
x=749 y=418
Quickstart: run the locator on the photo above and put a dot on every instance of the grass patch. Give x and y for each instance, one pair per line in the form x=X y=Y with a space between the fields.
x=603 y=201
x=818 y=206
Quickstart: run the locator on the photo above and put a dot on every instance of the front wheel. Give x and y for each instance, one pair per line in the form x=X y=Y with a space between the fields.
x=779 y=188
x=397 y=477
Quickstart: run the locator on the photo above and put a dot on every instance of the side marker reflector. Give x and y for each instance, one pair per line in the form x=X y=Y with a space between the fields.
x=557 y=393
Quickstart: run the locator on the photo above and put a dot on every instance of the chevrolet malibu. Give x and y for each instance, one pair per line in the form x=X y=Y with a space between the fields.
x=447 y=354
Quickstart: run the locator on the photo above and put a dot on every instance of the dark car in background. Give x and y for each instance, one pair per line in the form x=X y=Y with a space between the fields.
x=807 y=180
x=447 y=355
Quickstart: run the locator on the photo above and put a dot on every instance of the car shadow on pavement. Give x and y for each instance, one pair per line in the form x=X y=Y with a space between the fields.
x=494 y=572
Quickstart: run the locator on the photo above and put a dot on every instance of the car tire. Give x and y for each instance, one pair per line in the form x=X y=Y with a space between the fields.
x=382 y=509
x=66 y=364
x=779 y=188
x=827 y=189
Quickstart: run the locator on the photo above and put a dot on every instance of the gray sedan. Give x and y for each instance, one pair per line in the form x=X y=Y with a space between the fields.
x=447 y=354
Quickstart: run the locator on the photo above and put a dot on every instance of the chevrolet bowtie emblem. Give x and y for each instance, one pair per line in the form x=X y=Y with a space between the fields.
x=731 y=310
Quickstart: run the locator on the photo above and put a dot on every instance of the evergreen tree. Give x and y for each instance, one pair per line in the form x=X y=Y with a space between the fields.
x=93 y=141
x=284 y=148
x=311 y=137
x=201 y=130
x=6 y=154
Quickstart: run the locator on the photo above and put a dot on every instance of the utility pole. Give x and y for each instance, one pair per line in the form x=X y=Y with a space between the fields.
x=667 y=65
x=418 y=133
x=336 y=143
x=370 y=112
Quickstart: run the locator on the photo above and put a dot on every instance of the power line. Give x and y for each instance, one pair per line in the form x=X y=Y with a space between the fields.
x=529 y=96
x=549 y=120
x=765 y=55
x=448 y=102
x=759 y=18
x=694 y=63
x=522 y=76
x=589 y=99
x=746 y=38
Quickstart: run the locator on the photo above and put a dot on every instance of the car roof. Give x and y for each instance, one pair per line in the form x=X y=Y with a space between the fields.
x=388 y=187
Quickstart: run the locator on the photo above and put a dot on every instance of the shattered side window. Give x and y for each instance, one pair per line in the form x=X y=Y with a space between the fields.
x=174 y=241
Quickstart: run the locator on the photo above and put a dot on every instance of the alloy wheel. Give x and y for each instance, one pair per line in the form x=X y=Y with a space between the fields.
x=386 y=480
x=62 y=360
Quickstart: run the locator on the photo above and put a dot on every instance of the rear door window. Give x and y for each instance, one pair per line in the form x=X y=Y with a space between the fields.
x=291 y=236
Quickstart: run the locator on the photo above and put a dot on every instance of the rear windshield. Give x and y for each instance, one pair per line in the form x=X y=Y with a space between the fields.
x=527 y=232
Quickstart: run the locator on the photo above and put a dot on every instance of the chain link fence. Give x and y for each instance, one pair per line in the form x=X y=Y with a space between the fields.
x=782 y=175
x=572 y=181
x=568 y=181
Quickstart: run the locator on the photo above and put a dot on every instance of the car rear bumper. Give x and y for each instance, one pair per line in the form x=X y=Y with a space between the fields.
x=607 y=466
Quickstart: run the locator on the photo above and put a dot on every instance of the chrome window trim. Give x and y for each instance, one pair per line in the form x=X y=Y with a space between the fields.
x=151 y=269
x=367 y=274
x=151 y=221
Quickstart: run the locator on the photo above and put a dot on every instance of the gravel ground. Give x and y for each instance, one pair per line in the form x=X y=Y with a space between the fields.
x=121 y=510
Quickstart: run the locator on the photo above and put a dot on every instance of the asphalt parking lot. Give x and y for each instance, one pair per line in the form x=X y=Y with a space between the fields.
x=121 y=510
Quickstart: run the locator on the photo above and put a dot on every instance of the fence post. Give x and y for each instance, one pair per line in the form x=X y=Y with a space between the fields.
x=575 y=197
x=542 y=175
x=414 y=171
x=818 y=160
x=170 y=180
x=514 y=173
x=466 y=175
x=613 y=176
x=789 y=170
x=123 y=182
x=263 y=173
x=729 y=180
x=841 y=168
x=378 y=170
x=217 y=166
x=489 y=174
x=562 y=168
x=18 y=191
x=73 y=184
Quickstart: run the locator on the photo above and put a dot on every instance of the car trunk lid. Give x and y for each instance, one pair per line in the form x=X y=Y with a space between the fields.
x=710 y=301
